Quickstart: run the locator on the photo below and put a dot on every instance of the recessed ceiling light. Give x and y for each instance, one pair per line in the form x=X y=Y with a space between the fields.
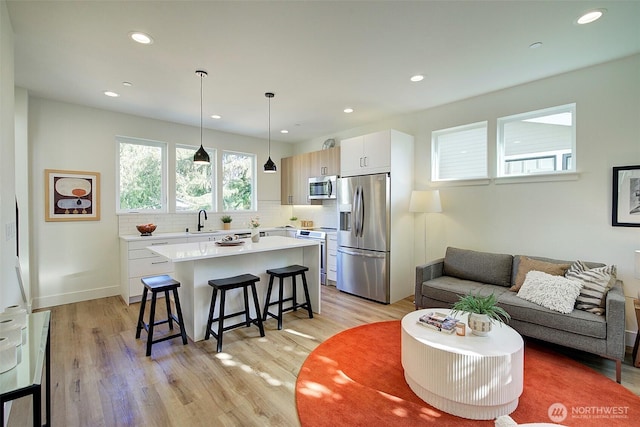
x=141 y=38
x=348 y=110
x=284 y=131
x=215 y=116
x=111 y=93
x=535 y=45
x=127 y=84
x=591 y=16
x=417 y=78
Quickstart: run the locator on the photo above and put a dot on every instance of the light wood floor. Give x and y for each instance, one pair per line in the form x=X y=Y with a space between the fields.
x=101 y=377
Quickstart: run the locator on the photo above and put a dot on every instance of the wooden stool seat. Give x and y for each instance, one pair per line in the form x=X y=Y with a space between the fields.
x=223 y=285
x=282 y=273
x=156 y=284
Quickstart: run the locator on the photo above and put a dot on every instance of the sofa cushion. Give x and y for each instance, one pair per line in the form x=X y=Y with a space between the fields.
x=481 y=267
x=577 y=322
x=449 y=289
x=596 y=282
x=527 y=264
x=553 y=292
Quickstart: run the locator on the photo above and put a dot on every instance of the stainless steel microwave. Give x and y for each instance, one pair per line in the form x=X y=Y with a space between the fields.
x=322 y=187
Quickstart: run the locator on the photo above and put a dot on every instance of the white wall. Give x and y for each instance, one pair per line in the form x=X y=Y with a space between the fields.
x=563 y=219
x=75 y=261
x=9 y=289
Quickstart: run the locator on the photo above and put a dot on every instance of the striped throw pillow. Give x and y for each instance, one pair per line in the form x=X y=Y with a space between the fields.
x=596 y=282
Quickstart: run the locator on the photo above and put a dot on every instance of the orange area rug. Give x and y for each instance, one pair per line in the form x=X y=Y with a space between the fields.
x=355 y=378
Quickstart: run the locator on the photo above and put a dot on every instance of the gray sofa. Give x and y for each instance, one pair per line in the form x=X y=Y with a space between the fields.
x=441 y=282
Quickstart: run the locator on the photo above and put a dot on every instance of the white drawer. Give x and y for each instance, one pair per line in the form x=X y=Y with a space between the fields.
x=149 y=266
x=141 y=253
x=332 y=275
x=332 y=261
x=141 y=244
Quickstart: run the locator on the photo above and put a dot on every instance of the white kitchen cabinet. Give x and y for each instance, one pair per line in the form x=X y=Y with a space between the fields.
x=136 y=262
x=373 y=153
x=332 y=257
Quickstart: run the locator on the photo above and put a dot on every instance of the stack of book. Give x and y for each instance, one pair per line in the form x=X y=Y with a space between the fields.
x=438 y=321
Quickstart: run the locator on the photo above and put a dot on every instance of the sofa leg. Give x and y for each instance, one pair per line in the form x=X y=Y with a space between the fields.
x=618 y=370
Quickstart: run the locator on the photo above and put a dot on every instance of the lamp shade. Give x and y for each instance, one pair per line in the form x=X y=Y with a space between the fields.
x=425 y=201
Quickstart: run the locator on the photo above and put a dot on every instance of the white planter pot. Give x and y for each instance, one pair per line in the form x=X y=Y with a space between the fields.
x=479 y=324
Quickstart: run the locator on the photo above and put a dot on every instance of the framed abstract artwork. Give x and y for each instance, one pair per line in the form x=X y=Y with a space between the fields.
x=626 y=196
x=72 y=195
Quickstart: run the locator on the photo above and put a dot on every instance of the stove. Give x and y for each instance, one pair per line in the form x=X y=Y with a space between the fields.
x=320 y=236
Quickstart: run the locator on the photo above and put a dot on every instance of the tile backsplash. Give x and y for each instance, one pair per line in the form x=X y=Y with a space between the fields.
x=271 y=213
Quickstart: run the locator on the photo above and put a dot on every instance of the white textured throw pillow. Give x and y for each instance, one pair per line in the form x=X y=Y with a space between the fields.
x=553 y=292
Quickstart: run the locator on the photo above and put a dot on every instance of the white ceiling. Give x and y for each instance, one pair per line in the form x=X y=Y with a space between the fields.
x=317 y=56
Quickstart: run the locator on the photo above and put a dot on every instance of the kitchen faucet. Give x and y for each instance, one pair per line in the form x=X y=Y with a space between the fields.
x=201 y=225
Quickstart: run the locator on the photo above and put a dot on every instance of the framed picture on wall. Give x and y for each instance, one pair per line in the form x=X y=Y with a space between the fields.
x=626 y=196
x=72 y=195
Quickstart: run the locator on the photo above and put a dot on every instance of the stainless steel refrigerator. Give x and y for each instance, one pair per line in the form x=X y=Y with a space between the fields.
x=363 y=236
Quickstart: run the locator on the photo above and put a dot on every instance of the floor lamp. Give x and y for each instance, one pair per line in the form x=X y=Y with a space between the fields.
x=425 y=202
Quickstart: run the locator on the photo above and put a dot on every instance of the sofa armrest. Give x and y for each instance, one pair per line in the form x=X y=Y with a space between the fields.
x=615 y=313
x=426 y=272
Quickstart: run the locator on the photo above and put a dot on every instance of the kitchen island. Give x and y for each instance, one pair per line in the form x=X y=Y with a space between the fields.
x=197 y=263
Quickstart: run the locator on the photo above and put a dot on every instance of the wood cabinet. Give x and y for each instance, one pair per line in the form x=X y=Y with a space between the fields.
x=294 y=180
x=368 y=154
x=296 y=171
x=325 y=162
x=136 y=262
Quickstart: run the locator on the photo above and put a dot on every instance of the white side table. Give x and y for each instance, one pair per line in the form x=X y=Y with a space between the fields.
x=479 y=378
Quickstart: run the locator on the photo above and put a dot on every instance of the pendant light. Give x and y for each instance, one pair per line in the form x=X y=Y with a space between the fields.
x=269 y=167
x=201 y=157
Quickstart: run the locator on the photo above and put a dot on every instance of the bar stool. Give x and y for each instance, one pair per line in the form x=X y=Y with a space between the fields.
x=156 y=284
x=282 y=273
x=243 y=281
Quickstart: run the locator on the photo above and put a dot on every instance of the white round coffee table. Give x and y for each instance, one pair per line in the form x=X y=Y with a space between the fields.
x=473 y=377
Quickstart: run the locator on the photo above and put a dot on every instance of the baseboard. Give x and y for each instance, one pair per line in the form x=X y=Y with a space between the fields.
x=72 y=297
x=630 y=338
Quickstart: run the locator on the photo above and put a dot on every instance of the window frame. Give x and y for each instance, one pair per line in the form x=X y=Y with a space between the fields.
x=435 y=151
x=214 y=188
x=565 y=159
x=254 y=181
x=164 y=173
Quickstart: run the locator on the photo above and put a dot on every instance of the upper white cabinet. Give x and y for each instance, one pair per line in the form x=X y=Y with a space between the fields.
x=374 y=152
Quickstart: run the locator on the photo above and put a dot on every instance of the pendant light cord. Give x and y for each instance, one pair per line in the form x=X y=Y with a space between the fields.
x=201 y=78
x=269 y=127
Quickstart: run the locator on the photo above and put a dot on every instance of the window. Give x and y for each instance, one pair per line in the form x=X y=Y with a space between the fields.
x=238 y=181
x=537 y=142
x=195 y=189
x=459 y=153
x=141 y=175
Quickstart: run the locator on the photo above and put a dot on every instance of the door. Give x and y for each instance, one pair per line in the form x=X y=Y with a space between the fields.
x=373 y=212
x=346 y=202
x=364 y=273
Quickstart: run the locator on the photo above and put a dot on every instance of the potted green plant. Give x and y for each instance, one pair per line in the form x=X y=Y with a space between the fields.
x=483 y=311
x=226 y=220
x=293 y=220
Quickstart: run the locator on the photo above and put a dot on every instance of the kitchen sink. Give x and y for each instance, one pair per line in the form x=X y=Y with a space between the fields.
x=206 y=232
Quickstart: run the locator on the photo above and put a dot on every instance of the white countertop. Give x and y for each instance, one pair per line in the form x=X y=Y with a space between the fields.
x=202 y=250
x=134 y=237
